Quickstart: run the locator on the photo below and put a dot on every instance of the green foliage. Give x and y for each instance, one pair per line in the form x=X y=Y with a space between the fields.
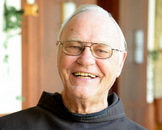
x=20 y=98
x=5 y=60
x=12 y=21
x=12 y=17
x=154 y=55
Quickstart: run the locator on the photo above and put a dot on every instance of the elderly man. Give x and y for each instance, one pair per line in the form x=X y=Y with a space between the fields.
x=91 y=54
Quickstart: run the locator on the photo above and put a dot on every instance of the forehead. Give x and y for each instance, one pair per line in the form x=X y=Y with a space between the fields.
x=92 y=26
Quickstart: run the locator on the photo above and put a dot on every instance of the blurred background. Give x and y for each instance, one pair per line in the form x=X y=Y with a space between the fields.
x=28 y=35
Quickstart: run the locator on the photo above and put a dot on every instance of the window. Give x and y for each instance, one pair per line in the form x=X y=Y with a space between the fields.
x=10 y=64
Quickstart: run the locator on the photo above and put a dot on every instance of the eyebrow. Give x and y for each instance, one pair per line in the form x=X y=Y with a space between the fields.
x=79 y=40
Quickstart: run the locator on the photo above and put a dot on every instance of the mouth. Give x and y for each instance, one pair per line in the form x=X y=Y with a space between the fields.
x=85 y=75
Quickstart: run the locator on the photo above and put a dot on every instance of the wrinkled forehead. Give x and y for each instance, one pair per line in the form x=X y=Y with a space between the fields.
x=93 y=26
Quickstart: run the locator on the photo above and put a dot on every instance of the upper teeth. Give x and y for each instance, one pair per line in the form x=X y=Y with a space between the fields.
x=84 y=74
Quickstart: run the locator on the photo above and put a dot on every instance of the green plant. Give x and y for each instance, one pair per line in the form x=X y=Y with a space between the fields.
x=154 y=55
x=12 y=18
x=12 y=21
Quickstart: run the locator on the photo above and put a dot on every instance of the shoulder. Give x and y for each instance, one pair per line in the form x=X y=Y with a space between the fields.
x=22 y=119
x=18 y=115
x=132 y=125
x=34 y=118
x=42 y=109
x=121 y=121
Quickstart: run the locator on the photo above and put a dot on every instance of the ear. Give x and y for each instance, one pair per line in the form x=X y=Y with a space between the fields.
x=58 y=55
x=121 y=62
x=57 y=43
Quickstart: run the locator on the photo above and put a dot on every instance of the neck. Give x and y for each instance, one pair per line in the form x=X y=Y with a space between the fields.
x=84 y=106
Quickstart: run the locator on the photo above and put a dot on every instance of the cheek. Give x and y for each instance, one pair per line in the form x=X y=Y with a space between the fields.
x=63 y=67
x=108 y=68
x=65 y=62
x=61 y=59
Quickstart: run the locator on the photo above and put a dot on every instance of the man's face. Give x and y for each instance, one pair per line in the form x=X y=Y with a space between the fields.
x=87 y=27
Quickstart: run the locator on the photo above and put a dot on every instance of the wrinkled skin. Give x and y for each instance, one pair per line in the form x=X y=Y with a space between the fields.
x=85 y=94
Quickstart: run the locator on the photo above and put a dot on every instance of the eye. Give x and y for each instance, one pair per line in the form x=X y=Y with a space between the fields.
x=75 y=47
x=72 y=47
x=100 y=50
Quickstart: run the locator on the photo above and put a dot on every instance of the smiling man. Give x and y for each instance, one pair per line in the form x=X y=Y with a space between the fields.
x=86 y=62
x=91 y=54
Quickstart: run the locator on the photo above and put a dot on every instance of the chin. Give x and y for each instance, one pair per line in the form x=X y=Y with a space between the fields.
x=84 y=93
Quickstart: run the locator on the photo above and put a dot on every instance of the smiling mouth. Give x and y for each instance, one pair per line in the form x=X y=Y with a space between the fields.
x=84 y=75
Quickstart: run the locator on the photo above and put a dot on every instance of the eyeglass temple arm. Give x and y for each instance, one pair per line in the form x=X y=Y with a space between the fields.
x=118 y=50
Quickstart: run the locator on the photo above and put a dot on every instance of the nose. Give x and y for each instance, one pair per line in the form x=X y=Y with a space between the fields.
x=86 y=58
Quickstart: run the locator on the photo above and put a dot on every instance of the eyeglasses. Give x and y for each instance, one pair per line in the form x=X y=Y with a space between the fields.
x=98 y=50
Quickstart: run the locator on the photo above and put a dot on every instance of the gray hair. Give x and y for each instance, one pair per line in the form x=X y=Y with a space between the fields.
x=84 y=8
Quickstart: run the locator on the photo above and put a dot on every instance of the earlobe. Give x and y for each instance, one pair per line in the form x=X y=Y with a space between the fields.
x=123 y=59
x=121 y=63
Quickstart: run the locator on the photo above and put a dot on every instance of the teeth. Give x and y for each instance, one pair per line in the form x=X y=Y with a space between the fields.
x=84 y=74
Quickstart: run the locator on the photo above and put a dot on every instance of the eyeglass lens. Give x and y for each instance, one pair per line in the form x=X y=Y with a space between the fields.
x=75 y=48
